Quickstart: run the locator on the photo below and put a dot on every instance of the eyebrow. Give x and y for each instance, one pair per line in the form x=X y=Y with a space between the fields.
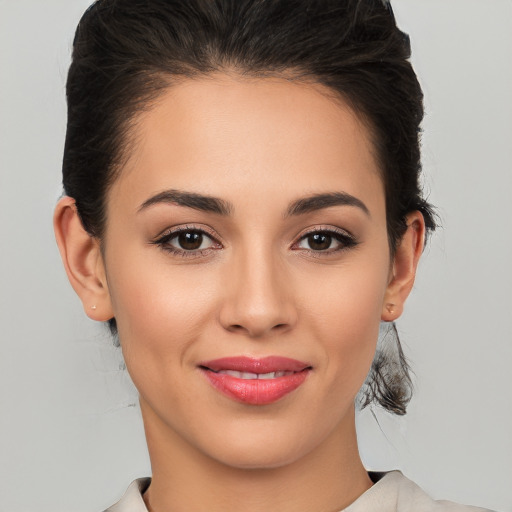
x=320 y=201
x=221 y=207
x=190 y=200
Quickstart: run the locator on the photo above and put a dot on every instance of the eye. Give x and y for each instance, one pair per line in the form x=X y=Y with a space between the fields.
x=187 y=241
x=190 y=240
x=326 y=241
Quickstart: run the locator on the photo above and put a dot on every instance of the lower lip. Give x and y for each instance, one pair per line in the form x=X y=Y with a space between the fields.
x=256 y=391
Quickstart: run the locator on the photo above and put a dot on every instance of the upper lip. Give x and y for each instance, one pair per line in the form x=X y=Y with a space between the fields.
x=256 y=365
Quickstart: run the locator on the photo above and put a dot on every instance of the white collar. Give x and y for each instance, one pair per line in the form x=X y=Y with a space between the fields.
x=391 y=492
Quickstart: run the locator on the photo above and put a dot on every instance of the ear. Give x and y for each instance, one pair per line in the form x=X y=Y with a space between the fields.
x=82 y=260
x=404 y=267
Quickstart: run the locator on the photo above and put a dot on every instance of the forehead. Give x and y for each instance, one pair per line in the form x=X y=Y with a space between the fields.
x=224 y=134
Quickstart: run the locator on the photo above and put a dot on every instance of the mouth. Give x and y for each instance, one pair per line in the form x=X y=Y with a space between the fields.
x=249 y=375
x=255 y=381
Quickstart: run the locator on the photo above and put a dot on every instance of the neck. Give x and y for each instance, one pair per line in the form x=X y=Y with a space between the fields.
x=326 y=480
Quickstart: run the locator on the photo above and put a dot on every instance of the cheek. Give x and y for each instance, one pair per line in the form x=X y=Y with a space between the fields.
x=345 y=315
x=159 y=307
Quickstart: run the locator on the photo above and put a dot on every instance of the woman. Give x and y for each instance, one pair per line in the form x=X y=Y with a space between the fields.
x=242 y=206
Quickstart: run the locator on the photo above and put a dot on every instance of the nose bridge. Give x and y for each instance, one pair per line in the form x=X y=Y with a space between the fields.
x=258 y=298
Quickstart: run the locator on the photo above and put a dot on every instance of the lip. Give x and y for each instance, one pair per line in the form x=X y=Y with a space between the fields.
x=255 y=391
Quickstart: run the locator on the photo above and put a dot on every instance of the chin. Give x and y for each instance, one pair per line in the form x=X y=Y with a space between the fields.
x=262 y=445
x=247 y=456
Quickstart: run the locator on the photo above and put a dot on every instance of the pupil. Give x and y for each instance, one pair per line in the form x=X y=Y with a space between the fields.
x=320 y=241
x=190 y=240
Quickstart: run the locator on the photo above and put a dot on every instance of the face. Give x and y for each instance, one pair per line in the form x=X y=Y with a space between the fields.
x=249 y=224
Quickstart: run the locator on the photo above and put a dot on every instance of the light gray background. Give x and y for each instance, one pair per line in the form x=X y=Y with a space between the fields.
x=71 y=435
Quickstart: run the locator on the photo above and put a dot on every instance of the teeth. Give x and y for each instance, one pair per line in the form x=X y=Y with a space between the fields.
x=249 y=375
x=240 y=375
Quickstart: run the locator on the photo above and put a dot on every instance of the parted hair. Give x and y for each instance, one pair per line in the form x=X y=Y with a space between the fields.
x=126 y=53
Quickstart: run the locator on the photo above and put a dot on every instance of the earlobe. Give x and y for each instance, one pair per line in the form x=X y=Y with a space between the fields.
x=405 y=263
x=82 y=260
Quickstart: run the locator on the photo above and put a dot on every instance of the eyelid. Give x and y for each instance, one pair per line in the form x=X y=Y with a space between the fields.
x=163 y=241
x=326 y=229
x=176 y=230
x=344 y=237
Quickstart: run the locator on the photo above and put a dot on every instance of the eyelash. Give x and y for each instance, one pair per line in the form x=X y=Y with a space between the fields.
x=345 y=239
x=164 y=242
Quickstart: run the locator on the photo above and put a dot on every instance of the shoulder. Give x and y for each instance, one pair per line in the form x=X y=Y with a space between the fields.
x=393 y=492
x=132 y=499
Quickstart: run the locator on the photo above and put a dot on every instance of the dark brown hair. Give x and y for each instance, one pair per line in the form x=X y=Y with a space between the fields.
x=127 y=52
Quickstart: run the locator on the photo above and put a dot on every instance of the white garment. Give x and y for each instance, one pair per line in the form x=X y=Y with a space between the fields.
x=392 y=492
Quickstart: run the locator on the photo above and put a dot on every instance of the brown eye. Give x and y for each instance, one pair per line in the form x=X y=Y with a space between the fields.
x=190 y=240
x=319 y=241
x=326 y=241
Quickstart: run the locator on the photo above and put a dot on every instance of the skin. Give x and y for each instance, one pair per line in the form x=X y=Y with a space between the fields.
x=258 y=288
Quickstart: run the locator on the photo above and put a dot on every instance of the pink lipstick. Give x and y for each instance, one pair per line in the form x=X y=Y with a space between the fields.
x=255 y=381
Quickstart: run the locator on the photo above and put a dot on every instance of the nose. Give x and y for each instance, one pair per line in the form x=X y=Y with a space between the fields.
x=258 y=297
